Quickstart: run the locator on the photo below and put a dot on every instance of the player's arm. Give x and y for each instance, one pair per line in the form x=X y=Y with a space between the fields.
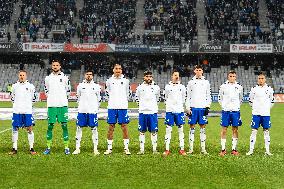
x=166 y=92
x=68 y=86
x=187 y=102
x=46 y=86
x=241 y=96
x=158 y=93
x=99 y=98
x=137 y=95
x=220 y=95
x=251 y=96
x=128 y=90
x=12 y=94
x=33 y=93
x=272 y=99
x=208 y=99
x=78 y=93
x=107 y=87
x=208 y=96
x=183 y=95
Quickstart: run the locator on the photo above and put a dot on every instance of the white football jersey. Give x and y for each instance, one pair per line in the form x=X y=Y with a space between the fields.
x=118 y=90
x=261 y=99
x=175 y=95
x=230 y=96
x=148 y=98
x=88 y=94
x=23 y=96
x=57 y=90
x=198 y=93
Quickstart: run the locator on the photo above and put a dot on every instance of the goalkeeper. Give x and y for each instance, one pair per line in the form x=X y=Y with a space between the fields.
x=57 y=89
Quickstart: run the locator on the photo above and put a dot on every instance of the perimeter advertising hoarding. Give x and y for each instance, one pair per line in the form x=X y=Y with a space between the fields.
x=10 y=47
x=43 y=47
x=251 y=48
x=87 y=47
x=214 y=48
x=139 y=48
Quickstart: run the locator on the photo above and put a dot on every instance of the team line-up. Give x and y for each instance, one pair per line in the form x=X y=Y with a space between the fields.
x=196 y=98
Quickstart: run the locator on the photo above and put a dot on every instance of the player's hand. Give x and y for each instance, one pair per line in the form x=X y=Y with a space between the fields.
x=206 y=112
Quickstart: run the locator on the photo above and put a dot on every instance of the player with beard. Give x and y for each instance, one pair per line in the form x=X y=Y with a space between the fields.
x=57 y=90
x=88 y=94
x=147 y=95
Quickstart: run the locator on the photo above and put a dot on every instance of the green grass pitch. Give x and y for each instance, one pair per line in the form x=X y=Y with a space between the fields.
x=148 y=171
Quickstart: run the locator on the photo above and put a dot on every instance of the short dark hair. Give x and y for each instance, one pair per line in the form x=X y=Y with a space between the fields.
x=56 y=60
x=261 y=73
x=117 y=64
x=86 y=71
x=147 y=72
x=174 y=71
x=198 y=66
x=22 y=71
x=232 y=72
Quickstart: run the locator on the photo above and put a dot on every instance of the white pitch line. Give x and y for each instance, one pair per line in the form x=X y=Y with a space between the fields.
x=5 y=130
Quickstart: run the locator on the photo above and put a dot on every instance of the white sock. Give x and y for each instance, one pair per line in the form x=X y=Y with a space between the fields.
x=31 y=139
x=191 y=138
x=168 y=136
x=252 y=139
x=15 y=135
x=109 y=144
x=126 y=142
x=202 y=138
x=154 y=139
x=95 y=137
x=234 y=143
x=266 y=140
x=142 y=141
x=181 y=137
x=78 y=137
x=223 y=144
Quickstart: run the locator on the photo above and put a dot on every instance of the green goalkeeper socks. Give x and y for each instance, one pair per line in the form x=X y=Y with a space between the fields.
x=49 y=142
x=49 y=134
x=65 y=134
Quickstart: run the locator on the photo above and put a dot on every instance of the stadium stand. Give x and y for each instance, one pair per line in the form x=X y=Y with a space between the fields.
x=275 y=15
x=169 y=22
x=109 y=21
x=38 y=18
x=235 y=21
x=6 y=11
x=221 y=20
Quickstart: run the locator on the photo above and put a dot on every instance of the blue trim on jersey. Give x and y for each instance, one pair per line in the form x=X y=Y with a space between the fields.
x=148 y=122
x=229 y=118
x=174 y=118
x=197 y=116
x=119 y=116
x=258 y=120
x=22 y=120
x=85 y=119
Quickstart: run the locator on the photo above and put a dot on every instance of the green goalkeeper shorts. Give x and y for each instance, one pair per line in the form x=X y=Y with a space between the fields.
x=57 y=113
